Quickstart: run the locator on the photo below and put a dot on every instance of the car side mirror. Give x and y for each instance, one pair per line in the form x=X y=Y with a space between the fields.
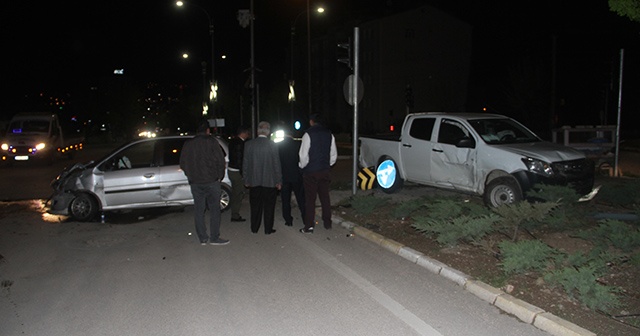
x=466 y=143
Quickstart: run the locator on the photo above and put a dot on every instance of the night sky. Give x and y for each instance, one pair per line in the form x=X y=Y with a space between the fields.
x=54 y=46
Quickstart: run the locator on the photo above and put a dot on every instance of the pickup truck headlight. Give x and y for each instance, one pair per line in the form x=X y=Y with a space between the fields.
x=5 y=147
x=40 y=146
x=538 y=166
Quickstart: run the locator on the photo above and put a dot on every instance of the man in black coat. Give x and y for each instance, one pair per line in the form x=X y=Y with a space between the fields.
x=288 y=149
x=202 y=161
x=236 y=152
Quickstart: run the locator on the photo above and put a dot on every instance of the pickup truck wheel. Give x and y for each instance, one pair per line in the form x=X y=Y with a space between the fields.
x=225 y=197
x=392 y=181
x=502 y=190
x=83 y=208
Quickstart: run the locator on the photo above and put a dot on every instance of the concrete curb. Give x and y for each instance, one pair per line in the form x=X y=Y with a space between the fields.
x=522 y=310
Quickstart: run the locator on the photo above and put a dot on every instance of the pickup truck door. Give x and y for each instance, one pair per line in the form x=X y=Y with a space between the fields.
x=131 y=176
x=415 y=149
x=451 y=165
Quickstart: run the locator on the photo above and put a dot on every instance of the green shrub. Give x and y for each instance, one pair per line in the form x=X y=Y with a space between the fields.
x=581 y=283
x=451 y=231
x=366 y=204
x=444 y=208
x=621 y=192
x=405 y=209
x=555 y=193
x=451 y=207
x=522 y=215
x=613 y=233
x=525 y=256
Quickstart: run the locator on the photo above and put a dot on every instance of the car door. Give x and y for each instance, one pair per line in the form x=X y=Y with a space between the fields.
x=174 y=186
x=415 y=149
x=131 y=177
x=453 y=166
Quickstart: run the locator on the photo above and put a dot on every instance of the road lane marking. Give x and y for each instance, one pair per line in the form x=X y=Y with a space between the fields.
x=374 y=292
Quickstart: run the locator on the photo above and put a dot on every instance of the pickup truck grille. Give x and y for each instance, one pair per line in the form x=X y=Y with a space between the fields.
x=580 y=167
x=578 y=174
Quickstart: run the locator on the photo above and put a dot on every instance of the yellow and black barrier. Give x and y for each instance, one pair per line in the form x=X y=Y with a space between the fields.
x=366 y=178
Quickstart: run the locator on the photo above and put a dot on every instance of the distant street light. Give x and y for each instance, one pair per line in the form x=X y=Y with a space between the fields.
x=292 y=81
x=213 y=85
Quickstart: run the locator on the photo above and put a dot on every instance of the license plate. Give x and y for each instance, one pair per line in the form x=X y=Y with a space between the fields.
x=22 y=158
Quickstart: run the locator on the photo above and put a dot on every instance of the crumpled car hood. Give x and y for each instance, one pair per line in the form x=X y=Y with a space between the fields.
x=543 y=150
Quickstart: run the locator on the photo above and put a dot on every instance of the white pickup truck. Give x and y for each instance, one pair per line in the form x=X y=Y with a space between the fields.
x=489 y=155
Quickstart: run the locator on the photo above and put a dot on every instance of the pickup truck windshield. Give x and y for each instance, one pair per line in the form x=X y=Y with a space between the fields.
x=502 y=131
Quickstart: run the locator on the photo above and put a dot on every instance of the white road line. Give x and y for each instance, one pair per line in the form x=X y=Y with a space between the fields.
x=374 y=292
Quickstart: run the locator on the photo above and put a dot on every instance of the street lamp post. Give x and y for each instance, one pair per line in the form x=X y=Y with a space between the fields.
x=293 y=32
x=213 y=85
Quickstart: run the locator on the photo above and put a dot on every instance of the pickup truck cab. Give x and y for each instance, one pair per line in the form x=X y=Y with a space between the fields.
x=489 y=155
x=32 y=136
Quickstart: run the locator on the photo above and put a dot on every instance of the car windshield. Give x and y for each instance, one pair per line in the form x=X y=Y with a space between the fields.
x=29 y=126
x=495 y=131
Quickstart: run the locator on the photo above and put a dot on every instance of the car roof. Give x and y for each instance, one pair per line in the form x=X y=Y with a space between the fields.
x=463 y=115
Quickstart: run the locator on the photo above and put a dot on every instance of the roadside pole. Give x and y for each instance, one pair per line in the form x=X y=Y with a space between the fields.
x=354 y=96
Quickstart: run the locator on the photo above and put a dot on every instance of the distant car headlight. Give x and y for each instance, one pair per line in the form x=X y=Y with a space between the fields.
x=277 y=136
x=5 y=146
x=538 y=166
x=147 y=134
x=40 y=146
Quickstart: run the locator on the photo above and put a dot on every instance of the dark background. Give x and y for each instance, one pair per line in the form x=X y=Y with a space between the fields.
x=59 y=48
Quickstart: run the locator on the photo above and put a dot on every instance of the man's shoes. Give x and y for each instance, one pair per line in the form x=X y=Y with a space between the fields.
x=270 y=232
x=288 y=224
x=203 y=243
x=239 y=219
x=307 y=231
x=219 y=241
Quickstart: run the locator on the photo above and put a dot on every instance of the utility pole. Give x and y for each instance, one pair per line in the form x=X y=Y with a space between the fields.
x=253 y=80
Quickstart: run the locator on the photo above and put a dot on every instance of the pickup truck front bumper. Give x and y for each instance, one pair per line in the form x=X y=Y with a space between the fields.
x=577 y=174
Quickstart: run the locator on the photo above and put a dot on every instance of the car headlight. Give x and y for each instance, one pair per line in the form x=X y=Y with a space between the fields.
x=538 y=166
x=5 y=146
x=40 y=146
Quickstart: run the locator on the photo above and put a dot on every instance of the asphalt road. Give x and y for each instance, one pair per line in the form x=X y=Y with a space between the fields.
x=148 y=275
x=144 y=273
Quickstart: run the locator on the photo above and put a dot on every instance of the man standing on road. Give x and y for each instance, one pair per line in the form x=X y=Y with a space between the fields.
x=262 y=174
x=202 y=161
x=288 y=149
x=318 y=152
x=236 y=151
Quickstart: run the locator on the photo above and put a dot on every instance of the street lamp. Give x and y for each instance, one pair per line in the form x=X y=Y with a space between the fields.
x=293 y=32
x=205 y=105
x=213 y=85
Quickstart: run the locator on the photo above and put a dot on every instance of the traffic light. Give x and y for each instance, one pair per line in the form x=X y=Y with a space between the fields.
x=348 y=58
x=409 y=96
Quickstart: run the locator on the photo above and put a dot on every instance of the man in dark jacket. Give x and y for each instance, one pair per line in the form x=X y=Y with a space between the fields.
x=318 y=152
x=288 y=149
x=236 y=151
x=202 y=161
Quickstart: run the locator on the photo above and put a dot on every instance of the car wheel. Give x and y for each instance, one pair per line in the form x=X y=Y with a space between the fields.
x=84 y=207
x=388 y=176
x=225 y=197
x=501 y=191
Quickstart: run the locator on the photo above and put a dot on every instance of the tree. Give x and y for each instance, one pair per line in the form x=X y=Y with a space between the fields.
x=628 y=8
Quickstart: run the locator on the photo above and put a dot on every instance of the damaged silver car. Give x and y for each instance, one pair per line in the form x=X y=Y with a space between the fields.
x=143 y=173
